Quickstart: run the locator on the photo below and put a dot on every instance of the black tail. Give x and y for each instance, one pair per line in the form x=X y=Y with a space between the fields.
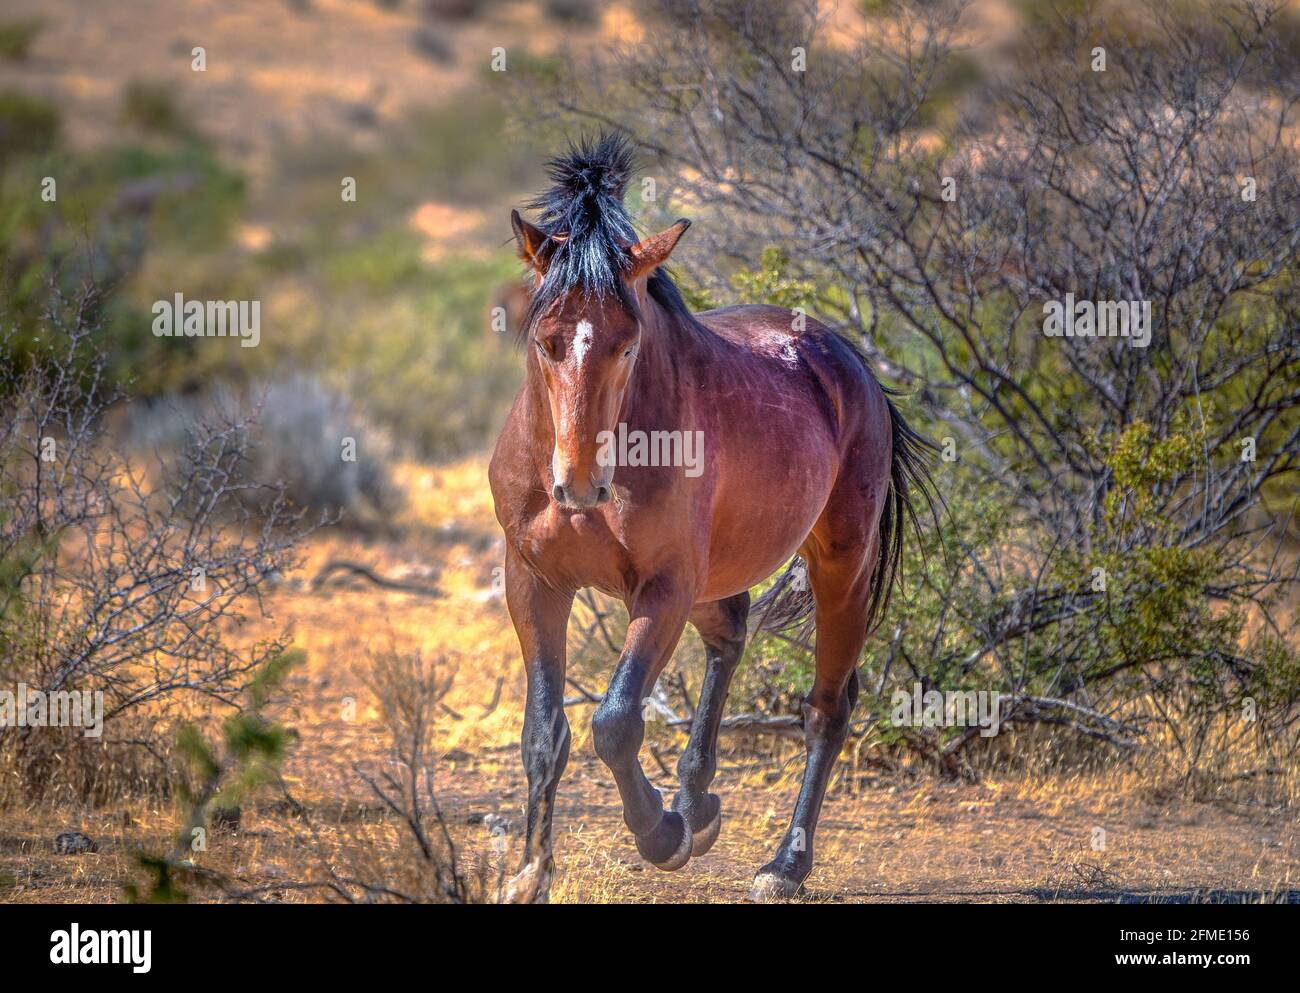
x=788 y=605
x=909 y=474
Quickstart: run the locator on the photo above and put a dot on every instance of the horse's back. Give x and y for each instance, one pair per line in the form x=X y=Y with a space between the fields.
x=797 y=343
x=758 y=327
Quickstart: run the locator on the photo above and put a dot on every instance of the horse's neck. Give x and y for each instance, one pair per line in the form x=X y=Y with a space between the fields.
x=667 y=351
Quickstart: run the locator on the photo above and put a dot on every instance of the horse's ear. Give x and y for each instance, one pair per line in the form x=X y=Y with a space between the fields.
x=530 y=240
x=654 y=251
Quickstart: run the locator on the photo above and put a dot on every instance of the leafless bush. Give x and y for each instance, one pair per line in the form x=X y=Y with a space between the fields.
x=108 y=584
x=426 y=865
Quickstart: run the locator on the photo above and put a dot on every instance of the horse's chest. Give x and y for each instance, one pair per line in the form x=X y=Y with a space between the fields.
x=576 y=549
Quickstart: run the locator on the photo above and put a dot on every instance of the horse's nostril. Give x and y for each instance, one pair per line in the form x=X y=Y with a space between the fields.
x=602 y=494
x=557 y=491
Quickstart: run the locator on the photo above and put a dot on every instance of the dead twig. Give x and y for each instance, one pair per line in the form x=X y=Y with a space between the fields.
x=355 y=568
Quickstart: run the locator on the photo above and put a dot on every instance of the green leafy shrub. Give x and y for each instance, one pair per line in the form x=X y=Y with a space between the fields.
x=16 y=37
x=28 y=126
x=152 y=106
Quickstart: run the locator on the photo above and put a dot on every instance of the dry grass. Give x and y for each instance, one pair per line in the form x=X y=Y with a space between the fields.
x=1028 y=836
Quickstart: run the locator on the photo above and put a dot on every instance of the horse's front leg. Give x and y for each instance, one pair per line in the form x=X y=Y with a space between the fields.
x=540 y=615
x=658 y=613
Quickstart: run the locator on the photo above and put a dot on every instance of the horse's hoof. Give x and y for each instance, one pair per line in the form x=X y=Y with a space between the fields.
x=703 y=839
x=668 y=846
x=532 y=884
x=770 y=888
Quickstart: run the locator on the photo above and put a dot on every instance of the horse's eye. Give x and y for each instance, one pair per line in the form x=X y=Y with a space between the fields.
x=629 y=351
x=547 y=347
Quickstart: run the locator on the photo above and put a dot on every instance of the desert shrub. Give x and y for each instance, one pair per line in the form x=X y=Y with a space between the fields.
x=113 y=585
x=302 y=428
x=218 y=775
x=425 y=363
x=116 y=209
x=405 y=326
x=308 y=439
x=152 y=106
x=28 y=126
x=420 y=862
x=17 y=36
x=426 y=864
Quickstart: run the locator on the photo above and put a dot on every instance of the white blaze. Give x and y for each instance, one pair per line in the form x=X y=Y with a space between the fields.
x=581 y=341
x=557 y=466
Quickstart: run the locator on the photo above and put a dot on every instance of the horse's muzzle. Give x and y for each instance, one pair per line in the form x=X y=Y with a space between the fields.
x=593 y=496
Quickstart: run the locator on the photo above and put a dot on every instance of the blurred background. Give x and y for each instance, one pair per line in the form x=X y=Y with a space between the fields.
x=226 y=182
x=351 y=164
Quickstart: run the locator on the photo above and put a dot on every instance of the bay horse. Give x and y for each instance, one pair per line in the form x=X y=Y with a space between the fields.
x=803 y=452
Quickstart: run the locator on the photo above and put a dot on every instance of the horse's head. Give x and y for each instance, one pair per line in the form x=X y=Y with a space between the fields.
x=585 y=346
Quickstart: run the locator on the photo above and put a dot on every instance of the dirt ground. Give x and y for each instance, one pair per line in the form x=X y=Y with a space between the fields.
x=882 y=838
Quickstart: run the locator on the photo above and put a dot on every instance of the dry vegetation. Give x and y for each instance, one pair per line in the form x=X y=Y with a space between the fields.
x=294 y=85
x=887 y=835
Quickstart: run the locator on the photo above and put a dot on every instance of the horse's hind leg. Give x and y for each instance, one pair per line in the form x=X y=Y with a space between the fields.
x=841 y=556
x=722 y=627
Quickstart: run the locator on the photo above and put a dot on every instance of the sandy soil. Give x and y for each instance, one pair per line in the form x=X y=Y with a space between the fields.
x=881 y=838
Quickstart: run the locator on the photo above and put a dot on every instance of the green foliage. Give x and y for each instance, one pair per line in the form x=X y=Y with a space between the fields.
x=878 y=8
x=961 y=76
x=697 y=297
x=1139 y=461
x=28 y=126
x=162 y=885
x=526 y=65
x=434 y=344
x=771 y=283
x=388 y=262
x=394 y=312
x=253 y=745
x=152 y=106
x=374 y=314
x=17 y=36
x=116 y=210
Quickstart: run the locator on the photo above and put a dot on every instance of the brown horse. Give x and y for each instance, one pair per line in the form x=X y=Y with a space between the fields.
x=784 y=444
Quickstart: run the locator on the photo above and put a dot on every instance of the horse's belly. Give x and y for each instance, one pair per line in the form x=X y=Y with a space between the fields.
x=756 y=528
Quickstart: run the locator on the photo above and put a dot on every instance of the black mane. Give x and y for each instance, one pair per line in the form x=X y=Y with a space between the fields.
x=585 y=209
